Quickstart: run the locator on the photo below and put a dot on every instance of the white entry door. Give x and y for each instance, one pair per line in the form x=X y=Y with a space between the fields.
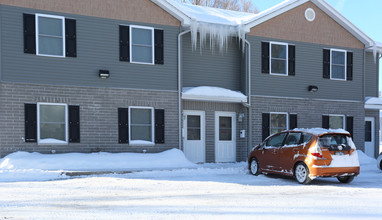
x=370 y=136
x=194 y=136
x=225 y=136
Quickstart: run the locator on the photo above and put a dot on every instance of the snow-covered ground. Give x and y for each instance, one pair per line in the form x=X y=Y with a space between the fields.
x=32 y=187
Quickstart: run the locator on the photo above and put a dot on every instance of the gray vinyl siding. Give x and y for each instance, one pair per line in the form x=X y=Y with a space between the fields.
x=211 y=68
x=309 y=71
x=371 y=79
x=97 y=48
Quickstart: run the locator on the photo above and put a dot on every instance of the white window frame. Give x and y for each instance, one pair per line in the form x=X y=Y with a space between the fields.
x=331 y=64
x=338 y=115
x=131 y=43
x=131 y=142
x=66 y=123
x=270 y=58
x=278 y=113
x=37 y=16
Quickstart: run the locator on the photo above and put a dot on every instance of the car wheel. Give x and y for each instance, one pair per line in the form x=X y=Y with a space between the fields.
x=345 y=179
x=301 y=172
x=254 y=167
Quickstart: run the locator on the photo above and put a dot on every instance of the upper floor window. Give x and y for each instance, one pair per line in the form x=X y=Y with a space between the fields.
x=50 y=35
x=278 y=58
x=140 y=44
x=337 y=64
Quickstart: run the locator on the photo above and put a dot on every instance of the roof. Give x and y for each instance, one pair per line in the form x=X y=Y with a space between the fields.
x=187 y=13
x=215 y=94
x=373 y=103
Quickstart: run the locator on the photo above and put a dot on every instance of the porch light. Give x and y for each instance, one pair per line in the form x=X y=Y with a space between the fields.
x=104 y=74
x=312 y=88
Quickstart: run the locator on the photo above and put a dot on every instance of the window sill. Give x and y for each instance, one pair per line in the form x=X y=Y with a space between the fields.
x=51 y=141
x=141 y=143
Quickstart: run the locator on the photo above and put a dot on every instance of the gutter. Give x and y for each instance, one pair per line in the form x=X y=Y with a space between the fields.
x=248 y=103
x=180 y=87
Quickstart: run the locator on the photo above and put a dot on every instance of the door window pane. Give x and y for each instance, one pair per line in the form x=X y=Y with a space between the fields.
x=225 y=128
x=368 y=129
x=141 y=124
x=278 y=123
x=277 y=140
x=193 y=127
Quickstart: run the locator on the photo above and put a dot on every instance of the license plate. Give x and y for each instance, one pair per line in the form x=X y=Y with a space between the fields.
x=339 y=153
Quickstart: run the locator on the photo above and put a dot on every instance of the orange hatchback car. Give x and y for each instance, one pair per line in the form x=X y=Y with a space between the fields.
x=307 y=154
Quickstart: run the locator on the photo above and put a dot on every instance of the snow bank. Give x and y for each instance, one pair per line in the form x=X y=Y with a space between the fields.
x=50 y=166
x=211 y=93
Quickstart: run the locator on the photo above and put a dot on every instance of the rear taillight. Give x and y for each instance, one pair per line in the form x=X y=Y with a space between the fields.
x=315 y=151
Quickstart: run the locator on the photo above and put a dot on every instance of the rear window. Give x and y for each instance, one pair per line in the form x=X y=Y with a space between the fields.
x=334 y=142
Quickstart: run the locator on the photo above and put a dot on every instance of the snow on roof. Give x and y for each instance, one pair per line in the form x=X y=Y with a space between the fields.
x=210 y=93
x=321 y=131
x=373 y=103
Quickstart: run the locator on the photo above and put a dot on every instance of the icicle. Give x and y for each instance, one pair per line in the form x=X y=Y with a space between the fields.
x=218 y=35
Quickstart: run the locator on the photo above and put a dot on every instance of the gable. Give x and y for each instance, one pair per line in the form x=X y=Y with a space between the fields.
x=143 y=11
x=293 y=26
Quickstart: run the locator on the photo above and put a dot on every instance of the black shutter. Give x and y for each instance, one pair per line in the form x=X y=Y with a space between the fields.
x=158 y=36
x=349 y=125
x=265 y=125
x=70 y=37
x=265 y=57
x=124 y=43
x=292 y=121
x=159 y=126
x=74 y=124
x=325 y=121
x=349 y=66
x=123 y=125
x=291 y=60
x=30 y=114
x=326 y=64
x=29 y=33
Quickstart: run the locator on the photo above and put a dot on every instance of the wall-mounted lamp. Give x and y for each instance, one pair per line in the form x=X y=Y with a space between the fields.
x=240 y=117
x=104 y=74
x=312 y=88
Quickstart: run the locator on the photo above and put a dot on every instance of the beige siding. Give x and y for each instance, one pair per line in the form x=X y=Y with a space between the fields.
x=143 y=11
x=293 y=26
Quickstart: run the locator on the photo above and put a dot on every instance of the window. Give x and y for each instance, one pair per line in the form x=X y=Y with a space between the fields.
x=293 y=139
x=49 y=35
x=338 y=64
x=278 y=122
x=141 y=44
x=279 y=58
x=141 y=125
x=50 y=32
x=225 y=128
x=336 y=121
x=277 y=140
x=193 y=127
x=52 y=126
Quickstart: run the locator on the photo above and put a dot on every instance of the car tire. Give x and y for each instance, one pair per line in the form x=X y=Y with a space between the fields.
x=380 y=165
x=254 y=167
x=345 y=179
x=301 y=173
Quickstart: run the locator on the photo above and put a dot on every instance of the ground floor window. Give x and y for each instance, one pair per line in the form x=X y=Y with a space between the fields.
x=52 y=126
x=141 y=125
x=278 y=122
x=337 y=121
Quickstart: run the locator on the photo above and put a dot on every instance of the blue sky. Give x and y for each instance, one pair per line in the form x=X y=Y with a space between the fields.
x=365 y=14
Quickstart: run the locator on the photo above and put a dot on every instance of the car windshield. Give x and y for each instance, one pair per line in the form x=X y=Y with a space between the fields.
x=333 y=141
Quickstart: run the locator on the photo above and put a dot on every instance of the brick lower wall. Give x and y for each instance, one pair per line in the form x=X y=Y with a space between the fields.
x=309 y=114
x=98 y=116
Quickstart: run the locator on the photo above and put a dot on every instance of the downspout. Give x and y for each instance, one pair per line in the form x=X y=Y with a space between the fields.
x=180 y=86
x=248 y=104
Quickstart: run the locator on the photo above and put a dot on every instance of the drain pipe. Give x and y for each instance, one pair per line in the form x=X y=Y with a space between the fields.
x=248 y=103
x=180 y=86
